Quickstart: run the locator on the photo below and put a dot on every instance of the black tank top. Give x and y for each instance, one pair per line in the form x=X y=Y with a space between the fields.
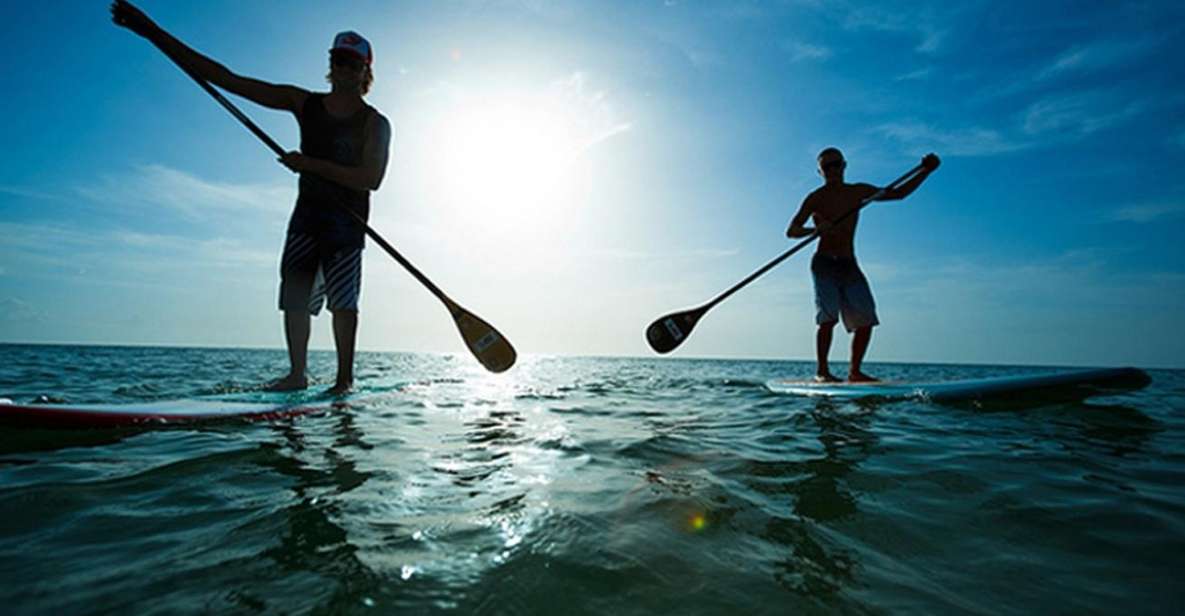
x=318 y=205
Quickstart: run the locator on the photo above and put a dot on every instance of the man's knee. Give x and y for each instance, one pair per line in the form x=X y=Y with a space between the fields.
x=828 y=326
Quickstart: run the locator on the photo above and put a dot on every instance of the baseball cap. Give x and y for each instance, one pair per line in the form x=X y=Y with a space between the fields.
x=353 y=43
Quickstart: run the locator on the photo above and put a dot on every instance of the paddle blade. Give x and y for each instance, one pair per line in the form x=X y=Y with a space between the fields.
x=671 y=330
x=489 y=346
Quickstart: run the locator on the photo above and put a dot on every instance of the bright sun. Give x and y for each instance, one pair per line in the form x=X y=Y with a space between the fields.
x=509 y=160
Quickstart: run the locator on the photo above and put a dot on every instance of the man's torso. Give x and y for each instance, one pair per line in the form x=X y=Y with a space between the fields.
x=829 y=203
x=339 y=139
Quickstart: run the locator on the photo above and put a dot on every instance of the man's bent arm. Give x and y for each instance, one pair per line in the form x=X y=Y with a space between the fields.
x=906 y=189
x=368 y=175
x=930 y=162
x=796 y=228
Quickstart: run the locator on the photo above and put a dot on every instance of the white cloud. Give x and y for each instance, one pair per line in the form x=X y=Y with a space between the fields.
x=13 y=310
x=161 y=186
x=27 y=193
x=923 y=23
x=1076 y=60
x=208 y=251
x=1146 y=212
x=921 y=73
x=1099 y=55
x=642 y=255
x=920 y=138
x=799 y=51
x=1081 y=114
x=58 y=250
x=594 y=117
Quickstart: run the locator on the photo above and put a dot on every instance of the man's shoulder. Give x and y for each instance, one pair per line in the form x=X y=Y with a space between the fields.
x=378 y=120
x=816 y=194
x=861 y=187
x=378 y=115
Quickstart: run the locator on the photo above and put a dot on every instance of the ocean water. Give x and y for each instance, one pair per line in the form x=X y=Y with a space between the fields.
x=585 y=486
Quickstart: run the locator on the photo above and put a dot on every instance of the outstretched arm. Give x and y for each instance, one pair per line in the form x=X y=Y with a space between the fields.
x=930 y=162
x=270 y=95
x=367 y=176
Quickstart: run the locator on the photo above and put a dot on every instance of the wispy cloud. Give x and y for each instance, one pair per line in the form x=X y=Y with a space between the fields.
x=13 y=310
x=924 y=22
x=1075 y=61
x=800 y=51
x=161 y=186
x=65 y=251
x=594 y=117
x=1080 y=114
x=921 y=73
x=644 y=255
x=1058 y=285
x=918 y=138
x=27 y=193
x=1096 y=56
x=1146 y=212
x=208 y=251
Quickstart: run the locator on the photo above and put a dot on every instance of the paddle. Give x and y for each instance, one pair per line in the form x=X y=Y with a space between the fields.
x=490 y=347
x=669 y=331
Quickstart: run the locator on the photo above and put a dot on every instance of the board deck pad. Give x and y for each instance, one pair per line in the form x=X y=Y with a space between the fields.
x=1092 y=381
x=162 y=412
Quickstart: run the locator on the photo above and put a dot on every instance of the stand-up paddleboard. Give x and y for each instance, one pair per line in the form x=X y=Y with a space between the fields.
x=1087 y=381
x=144 y=414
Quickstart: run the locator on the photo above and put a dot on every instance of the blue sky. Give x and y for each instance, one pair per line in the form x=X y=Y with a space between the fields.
x=571 y=171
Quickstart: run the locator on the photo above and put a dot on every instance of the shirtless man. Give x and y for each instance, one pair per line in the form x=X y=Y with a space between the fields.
x=342 y=158
x=840 y=286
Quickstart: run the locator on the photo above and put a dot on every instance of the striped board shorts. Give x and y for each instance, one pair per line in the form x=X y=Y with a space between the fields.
x=309 y=276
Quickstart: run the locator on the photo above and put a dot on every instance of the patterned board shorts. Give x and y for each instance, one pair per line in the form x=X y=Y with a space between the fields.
x=309 y=276
x=842 y=290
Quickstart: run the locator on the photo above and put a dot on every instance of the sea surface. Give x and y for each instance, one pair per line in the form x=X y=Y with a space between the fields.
x=585 y=486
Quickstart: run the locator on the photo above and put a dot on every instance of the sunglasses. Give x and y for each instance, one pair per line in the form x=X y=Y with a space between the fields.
x=346 y=61
x=833 y=165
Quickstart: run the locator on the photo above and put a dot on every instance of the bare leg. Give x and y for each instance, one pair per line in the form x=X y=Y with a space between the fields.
x=822 y=350
x=345 y=333
x=296 y=332
x=860 y=340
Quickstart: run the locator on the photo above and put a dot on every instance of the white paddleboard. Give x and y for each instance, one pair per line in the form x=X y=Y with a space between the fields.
x=1098 y=379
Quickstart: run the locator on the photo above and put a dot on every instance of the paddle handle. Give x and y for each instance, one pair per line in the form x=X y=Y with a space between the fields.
x=275 y=147
x=807 y=240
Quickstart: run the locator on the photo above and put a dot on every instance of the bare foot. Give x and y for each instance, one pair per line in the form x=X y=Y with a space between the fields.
x=860 y=377
x=826 y=377
x=288 y=383
x=339 y=389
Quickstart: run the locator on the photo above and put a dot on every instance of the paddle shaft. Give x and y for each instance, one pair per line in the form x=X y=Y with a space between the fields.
x=271 y=143
x=807 y=240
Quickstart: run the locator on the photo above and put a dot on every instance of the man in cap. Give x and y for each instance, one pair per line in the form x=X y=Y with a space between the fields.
x=840 y=287
x=342 y=158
